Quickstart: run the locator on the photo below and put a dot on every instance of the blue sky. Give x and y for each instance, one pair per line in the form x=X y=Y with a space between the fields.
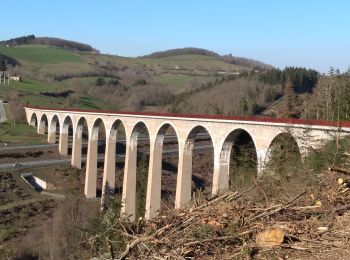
x=310 y=33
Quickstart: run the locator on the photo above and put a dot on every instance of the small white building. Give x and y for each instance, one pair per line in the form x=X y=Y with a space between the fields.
x=16 y=78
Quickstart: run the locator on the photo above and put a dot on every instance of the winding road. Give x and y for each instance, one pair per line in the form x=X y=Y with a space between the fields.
x=67 y=161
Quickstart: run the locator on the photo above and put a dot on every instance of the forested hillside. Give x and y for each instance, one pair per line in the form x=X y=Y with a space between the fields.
x=323 y=97
x=250 y=93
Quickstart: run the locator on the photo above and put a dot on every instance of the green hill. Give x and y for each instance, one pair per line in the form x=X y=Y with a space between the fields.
x=240 y=61
x=182 y=51
x=48 y=41
x=143 y=83
x=40 y=54
x=59 y=77
x=185 y=81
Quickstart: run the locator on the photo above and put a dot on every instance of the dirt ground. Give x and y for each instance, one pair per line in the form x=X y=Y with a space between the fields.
x=22 y=210
x=11 y=190
x=29 y=155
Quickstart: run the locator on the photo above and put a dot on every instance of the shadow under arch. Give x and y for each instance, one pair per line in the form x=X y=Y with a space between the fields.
x=54 y=129
x=239 y=155
x=43 y=124
x=115 y=164
x=199 y=151
x=33 y=120
x=283 y=154
x=97 y=144
x=67 y=135
x=140 y=141
x=80 y=140
x=167 y=145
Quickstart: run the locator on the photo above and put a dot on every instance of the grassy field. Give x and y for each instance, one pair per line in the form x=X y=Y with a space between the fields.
x=30 y=85
x=20 y=134
x=40 y=54
x=180 y=81
x=32 y=92
x=41 y=61
x=193 y=63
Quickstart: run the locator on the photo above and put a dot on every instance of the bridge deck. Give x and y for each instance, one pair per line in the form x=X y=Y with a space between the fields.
x=210 y=117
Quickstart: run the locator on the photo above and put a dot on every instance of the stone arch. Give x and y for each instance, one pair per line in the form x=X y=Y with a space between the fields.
x=82 y=121
x=54 y=125
x=33 y=120
x=284 y=148
x=192 y=153
x=202 y=178
x=98 y=132
x=43 y=124
x=113 y=131
x=195 y=130
x=114 y=161
x=136 y=171
x=137 y=129
x=65 y=134
x=140 y=135
x=96 y=152
x=67 y=122
x=80 y=134
x=238 y=159
x=164 y=127
x=163 y=170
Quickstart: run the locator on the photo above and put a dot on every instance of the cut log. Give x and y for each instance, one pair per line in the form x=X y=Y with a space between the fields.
x=331 y=169
x=272 y=237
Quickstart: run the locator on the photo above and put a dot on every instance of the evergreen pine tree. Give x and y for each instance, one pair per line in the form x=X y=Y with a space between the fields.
x=291 y=109
x=2 y=64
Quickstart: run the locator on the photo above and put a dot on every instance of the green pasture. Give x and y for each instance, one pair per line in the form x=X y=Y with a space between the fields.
x=40 y=54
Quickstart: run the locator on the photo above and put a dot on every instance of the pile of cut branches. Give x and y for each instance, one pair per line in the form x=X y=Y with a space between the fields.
x=233 y=226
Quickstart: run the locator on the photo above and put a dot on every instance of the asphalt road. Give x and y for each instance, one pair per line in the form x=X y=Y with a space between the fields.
x=33 y=164
x=46 y=146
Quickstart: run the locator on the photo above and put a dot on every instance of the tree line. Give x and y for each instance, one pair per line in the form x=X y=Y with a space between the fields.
x=303 y=80
x=328 y=99
x=61 y=43
x=19 y=40
x=3 y=66
x=5 y=61
x=331 y=98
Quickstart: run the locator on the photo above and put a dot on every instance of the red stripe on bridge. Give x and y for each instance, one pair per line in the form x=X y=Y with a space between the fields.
x=217 y=117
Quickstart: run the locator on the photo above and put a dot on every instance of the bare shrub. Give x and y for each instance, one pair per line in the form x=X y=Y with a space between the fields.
x=61 y=236
x=242 y=96
x=76 y=85
x=17 y=111
x=73 y=99
x=67 y=228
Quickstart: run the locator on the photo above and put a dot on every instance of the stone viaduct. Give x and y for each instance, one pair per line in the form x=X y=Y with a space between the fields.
x=223 y=132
